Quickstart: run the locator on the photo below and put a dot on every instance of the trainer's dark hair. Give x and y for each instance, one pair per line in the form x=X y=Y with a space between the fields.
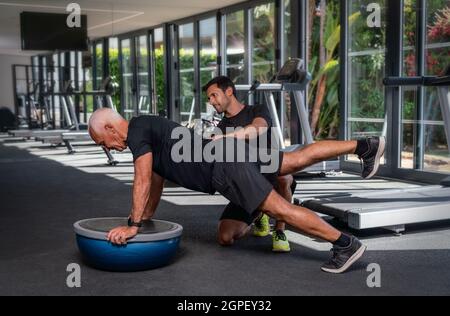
x=222 y=82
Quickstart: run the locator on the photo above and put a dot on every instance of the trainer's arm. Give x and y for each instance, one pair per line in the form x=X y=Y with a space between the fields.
x=256 y=128
x=141 y=196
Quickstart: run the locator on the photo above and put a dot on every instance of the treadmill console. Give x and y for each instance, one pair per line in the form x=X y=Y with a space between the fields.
x=292 y=72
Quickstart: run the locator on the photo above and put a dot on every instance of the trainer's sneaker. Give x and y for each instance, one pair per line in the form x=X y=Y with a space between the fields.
x=262 y=226
x=344 y=258
x=280 y=242
x=370 y=160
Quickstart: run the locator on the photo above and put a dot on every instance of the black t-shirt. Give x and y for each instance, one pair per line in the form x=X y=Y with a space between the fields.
x=153 y=134
x=246 y=117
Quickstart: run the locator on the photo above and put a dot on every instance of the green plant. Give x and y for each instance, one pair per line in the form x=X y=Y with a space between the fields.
x=114 y=72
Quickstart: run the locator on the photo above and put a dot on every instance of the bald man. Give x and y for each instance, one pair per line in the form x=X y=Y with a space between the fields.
x=150 y=140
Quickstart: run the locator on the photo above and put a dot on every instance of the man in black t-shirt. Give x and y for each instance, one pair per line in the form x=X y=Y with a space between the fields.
x=156 y=154
x=235 y=222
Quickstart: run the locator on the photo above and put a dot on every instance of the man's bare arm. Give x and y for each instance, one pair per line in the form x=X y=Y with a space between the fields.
x=141 y=196
x=142 y=186
x=253 y=130
x=156 y=191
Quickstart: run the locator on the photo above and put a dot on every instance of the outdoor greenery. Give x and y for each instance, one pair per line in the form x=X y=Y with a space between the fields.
x=437 y=59
x=114 y=72
x=367 y=91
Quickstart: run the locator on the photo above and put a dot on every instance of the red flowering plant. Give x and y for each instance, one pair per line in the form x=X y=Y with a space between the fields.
x=439 y=32
x=437 y=58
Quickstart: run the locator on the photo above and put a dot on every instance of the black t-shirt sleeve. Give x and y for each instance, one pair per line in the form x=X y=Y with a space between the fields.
x=139 y=139
x=221 y=127
x=262 y=111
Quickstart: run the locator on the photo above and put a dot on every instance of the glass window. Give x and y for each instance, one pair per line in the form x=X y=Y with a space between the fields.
x=366 y=68
x=143 y=75
x=159 y=56
x=235 y=47
x=323 y=52
x=409 y=108
x=56 y=88
x=437 y=55
x=88 y=85
x=263 y=61
x=208 y=58
x=287 y=53
x=127 y=79
x=114 y=71
x=287 y=30
x=98 y=65
x=424 y=135
x=187 y=82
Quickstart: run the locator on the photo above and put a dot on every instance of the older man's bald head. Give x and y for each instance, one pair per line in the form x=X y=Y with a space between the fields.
x=109 y=129
x=103 y=118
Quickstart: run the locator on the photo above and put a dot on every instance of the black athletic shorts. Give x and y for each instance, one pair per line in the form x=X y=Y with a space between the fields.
x=237 y=213
x=243 y=184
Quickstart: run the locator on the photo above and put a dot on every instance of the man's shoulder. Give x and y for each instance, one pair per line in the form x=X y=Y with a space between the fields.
x=145 y=121
x=259 y=107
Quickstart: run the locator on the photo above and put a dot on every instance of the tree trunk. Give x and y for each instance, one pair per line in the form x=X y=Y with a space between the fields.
x=320 y=95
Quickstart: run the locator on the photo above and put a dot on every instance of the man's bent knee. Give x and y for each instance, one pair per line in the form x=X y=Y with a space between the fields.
x=230 y=231
x=226 y=240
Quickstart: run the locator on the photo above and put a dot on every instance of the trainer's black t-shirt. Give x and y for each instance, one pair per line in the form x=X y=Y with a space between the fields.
x=153 y=134
x=246 y=117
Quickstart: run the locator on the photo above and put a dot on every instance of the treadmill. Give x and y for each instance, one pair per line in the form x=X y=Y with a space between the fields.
x=293 y=79
x=393 y=209
x=27 y=109
x=69 y=117
x=80 y=132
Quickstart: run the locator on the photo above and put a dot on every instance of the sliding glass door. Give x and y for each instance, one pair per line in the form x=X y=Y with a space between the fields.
x=411 y=36
x=128 y=83
x=136 y=84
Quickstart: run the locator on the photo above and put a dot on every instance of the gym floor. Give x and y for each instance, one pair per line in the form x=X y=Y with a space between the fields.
x=43 y=191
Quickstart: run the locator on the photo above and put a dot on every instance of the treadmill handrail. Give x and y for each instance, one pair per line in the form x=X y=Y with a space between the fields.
x=427 y=81
x=272 y=87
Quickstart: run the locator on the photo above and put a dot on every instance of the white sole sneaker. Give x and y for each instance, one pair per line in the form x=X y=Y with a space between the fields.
x=380 y=153
x=358 y=254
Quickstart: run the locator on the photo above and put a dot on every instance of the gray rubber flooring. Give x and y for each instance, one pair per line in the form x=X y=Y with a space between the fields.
x=43 y=192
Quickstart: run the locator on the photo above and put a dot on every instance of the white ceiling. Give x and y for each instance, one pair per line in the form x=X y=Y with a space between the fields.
x=105 y=17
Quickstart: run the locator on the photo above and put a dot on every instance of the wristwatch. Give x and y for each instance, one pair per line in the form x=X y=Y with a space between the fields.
x=134 y=224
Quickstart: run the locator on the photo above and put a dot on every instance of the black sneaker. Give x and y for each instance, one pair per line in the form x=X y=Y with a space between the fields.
x=371 y=159
x=344 y=258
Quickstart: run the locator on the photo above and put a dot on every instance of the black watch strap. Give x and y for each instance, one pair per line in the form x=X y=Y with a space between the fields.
x=134 y=224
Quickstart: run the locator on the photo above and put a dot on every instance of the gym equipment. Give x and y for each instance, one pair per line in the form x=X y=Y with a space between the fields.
x=78 y=132
x=153 y=247
x=292 y=78
x=7 y=120
x=68 y=111
x=31 y=93
x=393 y=209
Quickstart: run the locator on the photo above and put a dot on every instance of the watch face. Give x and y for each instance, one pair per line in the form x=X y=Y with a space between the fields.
x=133 y=224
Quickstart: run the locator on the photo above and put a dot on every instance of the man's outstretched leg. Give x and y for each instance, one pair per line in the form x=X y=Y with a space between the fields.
x=369 y=150
x=346 y=250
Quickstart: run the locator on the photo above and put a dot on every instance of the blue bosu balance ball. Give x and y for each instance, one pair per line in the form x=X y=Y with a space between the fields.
x=153 y=247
